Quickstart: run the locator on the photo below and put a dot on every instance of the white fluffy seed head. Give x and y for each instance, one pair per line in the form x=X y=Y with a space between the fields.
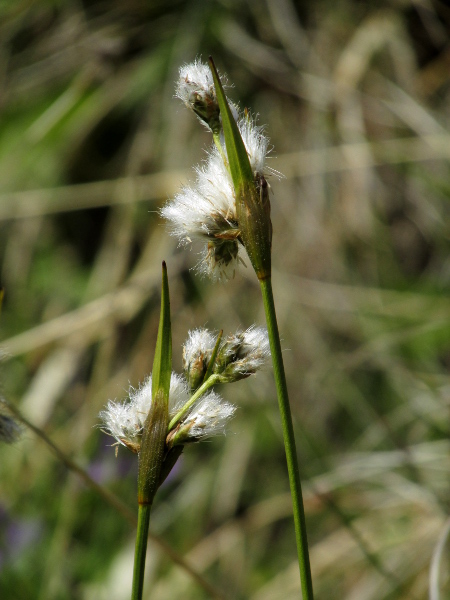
x=124 y=420
x=194 y=75
x=121 y=421
x=256 y=143
x=197 y=352
x=206 y=212
x=219 y=261
x=242 y=354
x=239 y=354
x=208 y=418
x=194 y=217
x=214 y=183
x=195 y=87
x=207 y=209
x=198 y=347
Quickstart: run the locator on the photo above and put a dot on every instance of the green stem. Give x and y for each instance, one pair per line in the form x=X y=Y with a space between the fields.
x=289 y=440
x=201 y=390
x=140 y=551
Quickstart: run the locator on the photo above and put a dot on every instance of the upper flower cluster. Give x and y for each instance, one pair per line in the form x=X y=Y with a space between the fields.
x=206 y=211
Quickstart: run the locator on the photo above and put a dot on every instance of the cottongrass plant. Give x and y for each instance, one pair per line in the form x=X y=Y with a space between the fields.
x=227 y=210
x=168 y=411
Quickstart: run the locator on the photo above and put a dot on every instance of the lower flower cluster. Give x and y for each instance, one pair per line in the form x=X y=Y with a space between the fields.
x=195 y=410
x=124 y=421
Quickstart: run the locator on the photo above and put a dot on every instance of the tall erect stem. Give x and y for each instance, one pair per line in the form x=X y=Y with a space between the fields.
x=253 y=216
x=289 y=439
x=140 y=551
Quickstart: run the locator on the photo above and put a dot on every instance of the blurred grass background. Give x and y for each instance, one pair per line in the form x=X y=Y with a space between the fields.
x=356 y=100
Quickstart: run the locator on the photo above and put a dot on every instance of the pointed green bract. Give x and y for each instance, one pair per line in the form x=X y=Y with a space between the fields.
x=151 y=455
x=240 y=169
x=162 y=362
x=252 y=197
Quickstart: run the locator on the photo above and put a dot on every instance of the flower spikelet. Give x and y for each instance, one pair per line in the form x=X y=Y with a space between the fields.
x=208 y=418
x=206 y=212
x=242 y=354
x=197 y=352
x=255 y=142
x=195 y=87
x=124 y=421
